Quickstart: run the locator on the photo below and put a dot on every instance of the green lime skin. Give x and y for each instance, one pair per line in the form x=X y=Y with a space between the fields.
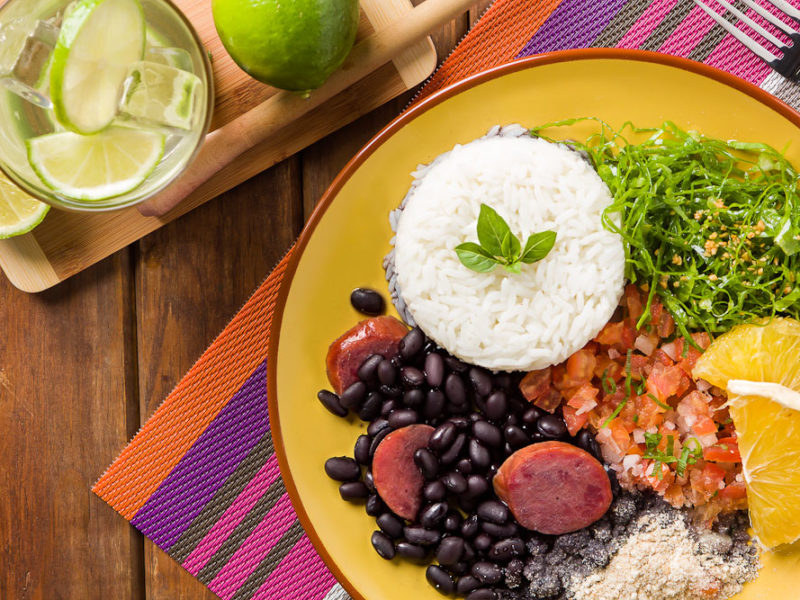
x=289 y=44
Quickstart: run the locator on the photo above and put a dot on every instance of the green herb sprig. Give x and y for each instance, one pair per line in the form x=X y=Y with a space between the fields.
x=689 y=456
x=711 y=226
x=498 y=246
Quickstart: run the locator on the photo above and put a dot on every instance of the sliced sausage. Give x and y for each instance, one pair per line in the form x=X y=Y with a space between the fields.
x=553 y=487
x=397 y=478
x=379 y=335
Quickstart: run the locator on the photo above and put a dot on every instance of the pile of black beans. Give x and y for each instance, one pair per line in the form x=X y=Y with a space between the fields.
x=480 y=419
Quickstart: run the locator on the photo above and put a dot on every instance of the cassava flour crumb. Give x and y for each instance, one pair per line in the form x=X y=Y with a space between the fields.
x=667 y=560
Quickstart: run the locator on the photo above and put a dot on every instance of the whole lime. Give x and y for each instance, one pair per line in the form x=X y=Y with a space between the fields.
x=290 y=44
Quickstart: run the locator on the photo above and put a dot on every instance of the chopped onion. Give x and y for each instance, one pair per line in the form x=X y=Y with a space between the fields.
x=645 y=344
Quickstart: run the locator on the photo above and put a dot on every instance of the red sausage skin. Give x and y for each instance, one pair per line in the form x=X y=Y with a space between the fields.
x=378 y=335
x=397 y=478
x=553 y=487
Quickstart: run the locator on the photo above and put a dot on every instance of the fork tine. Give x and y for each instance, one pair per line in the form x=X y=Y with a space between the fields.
x=786 y=7
x=758 y=49
x=770 y=17
x=752 y=24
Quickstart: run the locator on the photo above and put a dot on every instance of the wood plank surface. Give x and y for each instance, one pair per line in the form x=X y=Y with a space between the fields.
x=83 y=365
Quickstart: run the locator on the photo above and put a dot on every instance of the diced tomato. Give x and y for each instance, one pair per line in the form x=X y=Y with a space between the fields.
x=550 y=401
x=726 y=450
x=650 y=413
x=633 y=300
x=583 y=398
x=640 y=366
x=620 y=335
x=734 y=491
x=706 y=482
x=703 y=426
x=651 y=476
x=702 y=339
x=664 y=381
x=674 y=495
x=620 y=434
x=662 y=357
x=656 y=310
x=666 y=325
x=574 y=420
x=608 y=367
x=580 y=366
x=535 y=384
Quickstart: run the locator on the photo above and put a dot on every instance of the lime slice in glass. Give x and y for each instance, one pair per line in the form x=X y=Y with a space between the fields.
x=99 y=40
x=160 y=94
x=19 y=213
x=95 y=167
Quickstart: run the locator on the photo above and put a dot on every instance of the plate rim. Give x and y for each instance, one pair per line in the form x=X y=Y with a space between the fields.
x=531 y=62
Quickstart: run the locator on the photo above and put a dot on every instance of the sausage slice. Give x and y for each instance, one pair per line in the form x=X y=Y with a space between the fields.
x=553 y=487
x=378 y=335
x=397 y=478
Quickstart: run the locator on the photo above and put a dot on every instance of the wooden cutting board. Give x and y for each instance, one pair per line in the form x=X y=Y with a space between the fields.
x=66 y=243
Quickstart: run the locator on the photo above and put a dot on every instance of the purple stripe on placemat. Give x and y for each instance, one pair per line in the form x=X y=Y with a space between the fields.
x=573 y=24
x=207 y=464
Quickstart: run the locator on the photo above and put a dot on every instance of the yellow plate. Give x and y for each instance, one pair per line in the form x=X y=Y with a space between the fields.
x=343 y=244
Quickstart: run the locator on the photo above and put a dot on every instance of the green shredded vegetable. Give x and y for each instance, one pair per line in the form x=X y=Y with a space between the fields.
x=711 y=227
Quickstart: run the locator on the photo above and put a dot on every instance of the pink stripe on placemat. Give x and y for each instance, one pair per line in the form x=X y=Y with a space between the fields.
x=729 y=57
x=692 y=30
x=647 y=23
x=302 y=574
x=234 y=514
x=254 y=549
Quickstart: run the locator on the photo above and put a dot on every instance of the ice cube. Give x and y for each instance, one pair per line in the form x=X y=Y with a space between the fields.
x=173 y=57
x=160 y=94
x=25 y=58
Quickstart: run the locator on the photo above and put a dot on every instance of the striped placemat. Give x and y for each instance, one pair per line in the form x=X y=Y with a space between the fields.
x=201 y=478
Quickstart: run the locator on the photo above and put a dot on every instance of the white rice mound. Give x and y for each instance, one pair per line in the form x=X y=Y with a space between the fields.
x=500 y=320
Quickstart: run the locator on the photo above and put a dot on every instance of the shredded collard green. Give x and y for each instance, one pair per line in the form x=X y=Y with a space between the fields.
x=711 y=227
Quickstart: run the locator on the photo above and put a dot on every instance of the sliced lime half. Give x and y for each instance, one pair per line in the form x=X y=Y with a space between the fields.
x=99 y=40
x=19 y=213
x=96 y=167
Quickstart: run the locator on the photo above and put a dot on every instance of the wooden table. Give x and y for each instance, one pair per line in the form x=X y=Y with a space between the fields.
x=83 y=365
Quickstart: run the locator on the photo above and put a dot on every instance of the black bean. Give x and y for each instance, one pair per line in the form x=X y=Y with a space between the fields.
x=342 y=468
x=537 y=437
x=481 y=381
x=487 y=433
x=388 y=407
x=479 y=455
x=440 y=579
x=586 y=440
x=369 y=481
x=470 y=526
x=427 y=462
x=434 y=491
x=401 y=418
x=412 y=343
x=466 y=584
x=461 y=423
x=450 y=550
x=531 y=414
x=464 y=466
x=387 y=374
x=377 y=425
x=473 y=417
x=411 y=551
x=378 y=439
x=434 y=404
x=486 y=572
x=493 y=511
x=367 y=301
x=442 y=437
x=502 y=380
x=511 y=419
x=383 y=545
x=504 y=550
x=496 y=405
x=452 y=522
x=412 y=376
x=459 y=568
x=468 y=554
x=477 y=485
x=331 y=402
x=516 y=437
x=392 y=392
x=454 y=482
x=551 y=426
x=517 y=405
x=454 y=364
x=434 y=369
x=455 y=390
x=482 y=541
x=482 y=594
x=354 y=395
x=413 y=398
x=374 y=505
x=390 y=524
x=433 y=514
x=371 y=407
x=361 y=449
x=466 y=504
x=457 y=409
x=353 y=490
x=421 y=536
x=500 y=531
x=451 y=454
x=367 y=370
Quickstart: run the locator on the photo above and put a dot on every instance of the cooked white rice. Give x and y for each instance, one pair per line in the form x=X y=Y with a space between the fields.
x=499 y=320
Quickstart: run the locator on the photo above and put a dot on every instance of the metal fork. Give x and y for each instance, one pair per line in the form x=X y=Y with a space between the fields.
x=788 y=63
